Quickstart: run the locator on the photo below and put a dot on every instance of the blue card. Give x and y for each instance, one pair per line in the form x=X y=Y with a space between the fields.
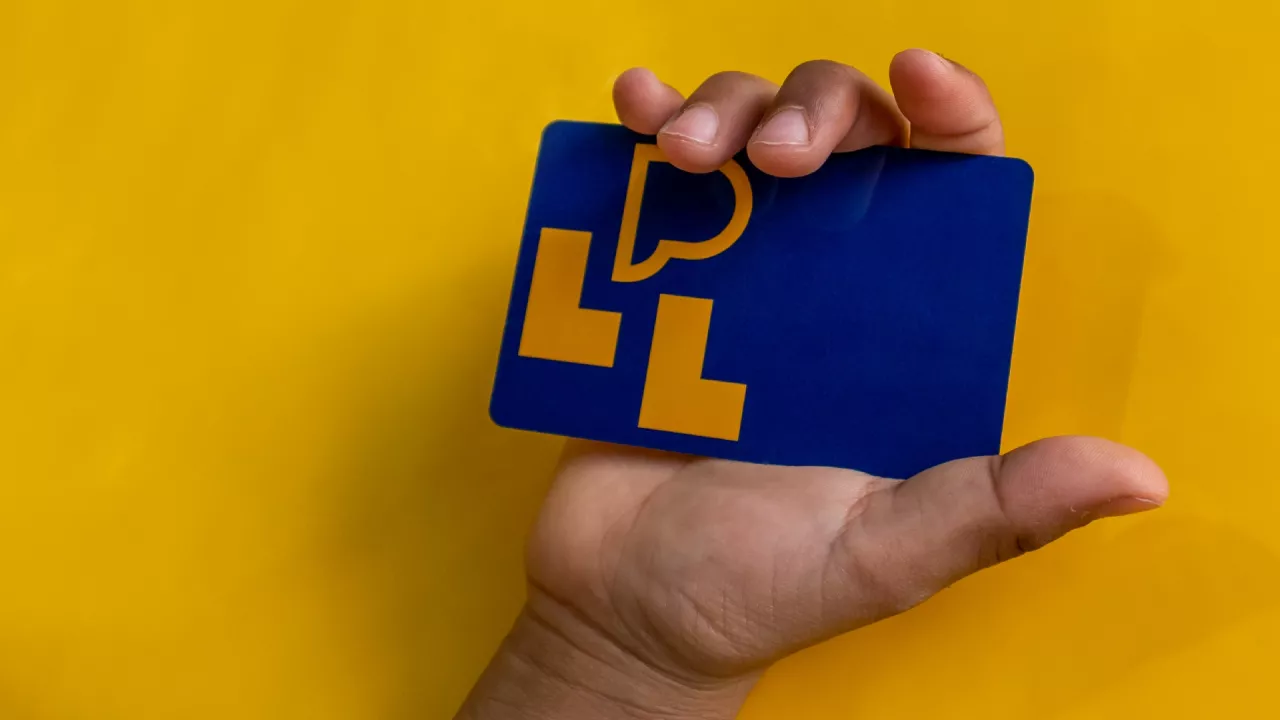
x=861 y=317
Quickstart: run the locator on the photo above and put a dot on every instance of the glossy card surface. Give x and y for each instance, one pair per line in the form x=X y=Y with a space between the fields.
x=861 y=317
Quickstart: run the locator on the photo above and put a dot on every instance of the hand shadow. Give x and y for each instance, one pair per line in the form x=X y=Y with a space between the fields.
x=1042 y=635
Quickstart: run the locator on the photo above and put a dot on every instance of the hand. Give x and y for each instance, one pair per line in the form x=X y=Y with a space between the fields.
x=660 y=585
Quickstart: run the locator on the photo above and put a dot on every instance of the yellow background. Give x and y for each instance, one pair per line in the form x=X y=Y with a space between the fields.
x=254 y=260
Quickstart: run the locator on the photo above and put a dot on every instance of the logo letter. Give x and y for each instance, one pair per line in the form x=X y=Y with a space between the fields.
x=676 y=396
x=556 y=326
x=625 y=271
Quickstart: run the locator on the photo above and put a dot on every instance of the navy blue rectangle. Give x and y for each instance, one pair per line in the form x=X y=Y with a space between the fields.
x=869 y=307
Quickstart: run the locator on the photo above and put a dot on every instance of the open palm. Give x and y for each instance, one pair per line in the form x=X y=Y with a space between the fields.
x=709 y=569
x=704 y=571
x=717 y=567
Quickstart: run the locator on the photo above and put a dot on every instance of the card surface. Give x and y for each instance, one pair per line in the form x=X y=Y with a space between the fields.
x=861 y=317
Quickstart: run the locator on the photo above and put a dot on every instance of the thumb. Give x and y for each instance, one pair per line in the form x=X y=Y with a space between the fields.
x=918 y=537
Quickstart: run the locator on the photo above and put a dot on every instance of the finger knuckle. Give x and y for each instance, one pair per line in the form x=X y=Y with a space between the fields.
x=1006 y=537
x=729 y=77
x=822 y=69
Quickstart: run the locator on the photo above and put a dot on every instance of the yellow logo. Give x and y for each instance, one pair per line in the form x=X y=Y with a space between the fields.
x=556 y=326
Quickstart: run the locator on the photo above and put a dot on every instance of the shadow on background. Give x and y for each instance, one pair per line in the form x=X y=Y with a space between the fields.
x=1096 y=605
x=1090 y=261
x=1091 y=608
x=433 y=504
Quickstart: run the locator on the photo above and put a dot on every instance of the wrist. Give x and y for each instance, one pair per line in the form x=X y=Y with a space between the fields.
x=553 y=666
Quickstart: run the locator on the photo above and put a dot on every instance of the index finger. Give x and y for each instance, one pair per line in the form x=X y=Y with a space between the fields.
x=643 y=102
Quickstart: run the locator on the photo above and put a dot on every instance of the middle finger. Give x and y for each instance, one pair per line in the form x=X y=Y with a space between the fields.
x=823 y=107
x=716 y=121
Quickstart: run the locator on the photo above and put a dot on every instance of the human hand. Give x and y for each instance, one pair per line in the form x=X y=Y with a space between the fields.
x=661 y=585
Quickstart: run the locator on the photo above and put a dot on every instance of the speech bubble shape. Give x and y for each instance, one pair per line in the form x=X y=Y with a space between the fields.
x=625 y=271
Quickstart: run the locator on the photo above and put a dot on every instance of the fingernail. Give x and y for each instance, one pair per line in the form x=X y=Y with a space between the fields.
x=946 y=62
x=786 y=127
x=1125 y=506
x=937 y=57
x=698 y=123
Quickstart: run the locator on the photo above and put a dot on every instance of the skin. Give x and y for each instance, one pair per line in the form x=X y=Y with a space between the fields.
x=661 y=586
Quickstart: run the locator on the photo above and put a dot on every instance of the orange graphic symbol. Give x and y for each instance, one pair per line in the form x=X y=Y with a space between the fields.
x=556 y=327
